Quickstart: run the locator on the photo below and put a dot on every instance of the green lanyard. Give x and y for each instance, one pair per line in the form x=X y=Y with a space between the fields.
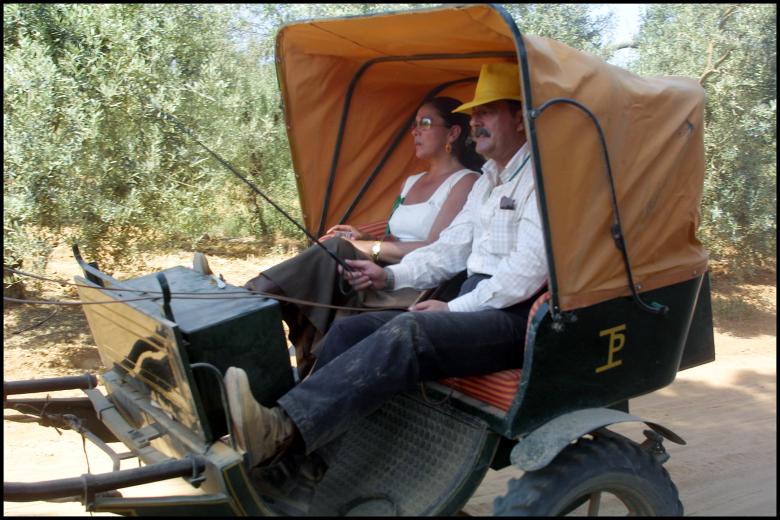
x=398 y=202
x=520 y=168
x=509 y=202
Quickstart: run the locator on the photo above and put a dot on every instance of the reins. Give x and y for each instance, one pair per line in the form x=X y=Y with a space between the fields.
x=155 y=295
x=169 y=117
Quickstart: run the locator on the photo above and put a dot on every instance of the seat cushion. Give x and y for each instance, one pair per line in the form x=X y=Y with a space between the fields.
x=499 y=388
x=375 y=229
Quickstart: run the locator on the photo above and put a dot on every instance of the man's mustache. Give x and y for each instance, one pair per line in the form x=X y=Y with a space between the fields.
x=476 y=132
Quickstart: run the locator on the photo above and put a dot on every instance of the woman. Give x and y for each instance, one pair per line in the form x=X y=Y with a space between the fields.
x=427 y=204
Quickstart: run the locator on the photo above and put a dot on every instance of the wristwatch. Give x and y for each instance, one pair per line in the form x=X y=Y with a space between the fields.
x=375 y=250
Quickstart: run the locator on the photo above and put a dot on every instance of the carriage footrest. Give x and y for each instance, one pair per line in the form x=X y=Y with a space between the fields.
x=410 y=457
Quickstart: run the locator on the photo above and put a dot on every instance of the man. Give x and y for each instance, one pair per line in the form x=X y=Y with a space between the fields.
x=366 y=359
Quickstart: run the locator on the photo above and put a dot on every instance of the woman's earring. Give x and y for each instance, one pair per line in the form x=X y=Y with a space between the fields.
x=448 y=148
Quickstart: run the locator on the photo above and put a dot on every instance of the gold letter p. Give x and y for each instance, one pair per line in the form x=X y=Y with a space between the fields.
x=616 y=342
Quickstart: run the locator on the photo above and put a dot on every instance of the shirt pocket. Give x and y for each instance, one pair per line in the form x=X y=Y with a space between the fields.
x=503 y=232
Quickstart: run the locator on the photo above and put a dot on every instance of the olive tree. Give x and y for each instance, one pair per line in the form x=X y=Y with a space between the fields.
x=732 y=50
x=87 y=156
x=576 y=25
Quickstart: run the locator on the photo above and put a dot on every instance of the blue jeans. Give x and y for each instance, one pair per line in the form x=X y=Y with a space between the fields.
x=366 y=359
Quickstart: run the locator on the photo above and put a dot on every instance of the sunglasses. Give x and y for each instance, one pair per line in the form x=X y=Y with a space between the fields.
x=425 y=123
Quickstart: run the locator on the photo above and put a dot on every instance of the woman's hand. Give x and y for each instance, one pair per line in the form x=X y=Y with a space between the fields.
x=365 y=274
x=348 y=232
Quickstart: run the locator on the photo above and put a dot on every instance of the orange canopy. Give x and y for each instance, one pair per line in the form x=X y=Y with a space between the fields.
x=351 y=85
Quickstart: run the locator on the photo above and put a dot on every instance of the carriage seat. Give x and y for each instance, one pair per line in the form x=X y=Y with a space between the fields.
x=497 y=389
x=375 y=229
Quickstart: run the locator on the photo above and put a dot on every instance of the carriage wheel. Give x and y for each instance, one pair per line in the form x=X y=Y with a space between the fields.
x=607 y=475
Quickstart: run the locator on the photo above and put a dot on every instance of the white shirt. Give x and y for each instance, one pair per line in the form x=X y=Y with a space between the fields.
x=413 y=222
x=483 y=238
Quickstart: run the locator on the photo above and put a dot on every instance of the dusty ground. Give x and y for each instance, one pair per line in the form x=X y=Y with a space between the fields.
x=725 y=410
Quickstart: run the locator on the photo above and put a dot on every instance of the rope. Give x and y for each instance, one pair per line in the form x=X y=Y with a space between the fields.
x=154 y=295
x=76 y=302
x=47 y=318
x=74 y=284
x=84 y=447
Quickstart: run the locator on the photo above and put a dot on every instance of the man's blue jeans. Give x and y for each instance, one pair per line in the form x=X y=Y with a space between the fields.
x=366 y=359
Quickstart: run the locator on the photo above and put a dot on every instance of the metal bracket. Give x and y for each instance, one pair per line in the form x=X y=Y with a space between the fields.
x=560 y=319
x=616 y=229
x=88 y=498
x=145 y=435
x=654 y=445
x=166 y=292
x=197 y=477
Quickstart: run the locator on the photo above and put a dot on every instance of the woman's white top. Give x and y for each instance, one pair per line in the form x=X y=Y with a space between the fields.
x=413 y=222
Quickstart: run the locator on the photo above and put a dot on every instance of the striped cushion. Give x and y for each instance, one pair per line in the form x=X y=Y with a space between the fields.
x=499 y=388
x=375 y=229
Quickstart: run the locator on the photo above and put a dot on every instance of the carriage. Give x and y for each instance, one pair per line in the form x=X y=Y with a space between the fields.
x=618 y=162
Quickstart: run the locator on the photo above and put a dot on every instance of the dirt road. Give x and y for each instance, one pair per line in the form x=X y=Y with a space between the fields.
x=725 y=410
x=727 y=413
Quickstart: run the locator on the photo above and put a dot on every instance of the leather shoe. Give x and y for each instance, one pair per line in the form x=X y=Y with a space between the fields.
x=263 y=433
x=200 y=264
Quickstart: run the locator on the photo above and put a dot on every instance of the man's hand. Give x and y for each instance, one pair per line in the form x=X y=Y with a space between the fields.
x=365 y=274
x=430 y=306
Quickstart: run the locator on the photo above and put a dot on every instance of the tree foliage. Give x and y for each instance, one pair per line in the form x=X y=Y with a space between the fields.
x=732 y=50
x=576 y=25
x=88 y=159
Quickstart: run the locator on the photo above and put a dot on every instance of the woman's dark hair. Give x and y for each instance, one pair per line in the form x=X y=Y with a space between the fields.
x=463 y=147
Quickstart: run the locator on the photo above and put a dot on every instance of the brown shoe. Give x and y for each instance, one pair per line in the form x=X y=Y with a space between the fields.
x=200 y=264
x=263 y=284
x=261 y=432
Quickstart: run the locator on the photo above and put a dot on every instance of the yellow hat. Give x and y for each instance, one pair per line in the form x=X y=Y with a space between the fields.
x=496 y=81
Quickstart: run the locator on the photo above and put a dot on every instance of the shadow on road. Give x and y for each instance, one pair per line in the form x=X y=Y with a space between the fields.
x=745 y=309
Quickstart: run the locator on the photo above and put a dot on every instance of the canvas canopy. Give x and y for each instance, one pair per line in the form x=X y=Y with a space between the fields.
x=350 y=87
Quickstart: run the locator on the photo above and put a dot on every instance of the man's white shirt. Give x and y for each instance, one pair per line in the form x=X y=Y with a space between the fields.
x=484 y=238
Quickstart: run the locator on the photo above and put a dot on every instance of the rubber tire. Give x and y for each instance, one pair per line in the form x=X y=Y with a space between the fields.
x=610 y=463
